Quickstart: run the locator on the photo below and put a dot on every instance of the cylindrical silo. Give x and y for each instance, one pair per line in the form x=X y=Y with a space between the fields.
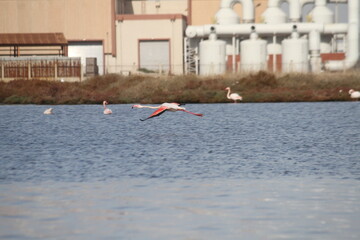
x=212 y=56
x=314 y=47
x=323 y=15
x=274 y=45
x=253 y=54
x=295 y=54
x=273 y=15
x=227 y=16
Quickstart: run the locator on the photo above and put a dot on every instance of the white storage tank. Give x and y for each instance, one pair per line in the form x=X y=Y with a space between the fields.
x=273 y=48
x=295 y=56
x=273 y=15
x=321 y=13
x=325 y=44
x=227 y=16
x=253 y=54
x=212 y=56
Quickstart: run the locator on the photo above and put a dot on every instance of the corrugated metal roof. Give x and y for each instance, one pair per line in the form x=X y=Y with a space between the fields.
x=32 y=39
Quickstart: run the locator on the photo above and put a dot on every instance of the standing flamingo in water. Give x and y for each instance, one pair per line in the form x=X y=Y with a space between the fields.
x=354 y=94
x=106 y=110
x=172 y=107
x=48 y=111
x=233 y=96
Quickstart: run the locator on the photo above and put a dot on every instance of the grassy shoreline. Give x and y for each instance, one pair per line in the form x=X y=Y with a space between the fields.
x=117 y=89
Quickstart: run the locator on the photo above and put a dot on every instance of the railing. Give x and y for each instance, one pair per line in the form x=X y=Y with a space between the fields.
x=41 y=68
x=71 y=70
x=181 y=69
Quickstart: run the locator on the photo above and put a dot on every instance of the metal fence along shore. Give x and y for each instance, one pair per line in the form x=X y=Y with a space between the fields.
x=68 y=69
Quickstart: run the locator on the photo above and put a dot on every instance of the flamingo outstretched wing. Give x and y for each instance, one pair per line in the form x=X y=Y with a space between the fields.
x=157 y=113
x=197 y=114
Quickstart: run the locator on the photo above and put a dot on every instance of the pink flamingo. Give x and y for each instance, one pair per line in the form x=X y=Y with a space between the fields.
x=172 y=107
x=233 y=96
x=48 y=111
x=106 y=110
x=354 y=94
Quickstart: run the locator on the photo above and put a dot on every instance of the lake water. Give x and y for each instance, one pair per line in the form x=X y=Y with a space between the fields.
x=243 y=171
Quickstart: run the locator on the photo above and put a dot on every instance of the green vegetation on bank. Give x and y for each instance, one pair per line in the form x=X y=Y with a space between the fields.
x=259 y=87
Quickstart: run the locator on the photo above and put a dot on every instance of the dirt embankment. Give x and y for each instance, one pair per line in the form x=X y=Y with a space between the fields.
x=259 y=87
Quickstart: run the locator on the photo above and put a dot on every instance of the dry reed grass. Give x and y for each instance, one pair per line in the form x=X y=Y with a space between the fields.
x=256 y=87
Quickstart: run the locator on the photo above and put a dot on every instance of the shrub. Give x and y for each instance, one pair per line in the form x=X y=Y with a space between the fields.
x=254 y=87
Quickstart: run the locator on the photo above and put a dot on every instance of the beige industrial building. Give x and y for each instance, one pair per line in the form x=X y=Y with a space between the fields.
x=123 y=36
x=166 y=36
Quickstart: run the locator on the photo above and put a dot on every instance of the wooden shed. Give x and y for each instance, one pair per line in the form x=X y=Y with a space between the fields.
x=33 y=44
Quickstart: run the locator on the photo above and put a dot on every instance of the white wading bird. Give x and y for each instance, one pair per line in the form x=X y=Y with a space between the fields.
x=172 y=107
x=106 y=110
x=233 y=96
x=354 y=94
x=48 y=111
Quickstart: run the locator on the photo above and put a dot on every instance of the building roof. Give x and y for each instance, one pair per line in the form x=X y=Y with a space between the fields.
x=32 y=39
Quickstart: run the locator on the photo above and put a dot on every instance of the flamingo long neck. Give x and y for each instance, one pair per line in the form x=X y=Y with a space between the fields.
x=228 y=93
x=104 y=105
x=141 y=106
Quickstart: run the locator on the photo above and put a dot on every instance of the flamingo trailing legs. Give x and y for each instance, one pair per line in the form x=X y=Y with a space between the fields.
x=233 y=96
x=106 y=110
x=172 y=107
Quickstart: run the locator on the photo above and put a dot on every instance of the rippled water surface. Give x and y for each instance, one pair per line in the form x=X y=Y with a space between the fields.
x=243 y=171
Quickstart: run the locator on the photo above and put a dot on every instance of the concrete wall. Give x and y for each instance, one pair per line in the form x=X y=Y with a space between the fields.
x=202 y=12
x=153 y=7
x=201 y=17
x=77 y=19
x=130 y=30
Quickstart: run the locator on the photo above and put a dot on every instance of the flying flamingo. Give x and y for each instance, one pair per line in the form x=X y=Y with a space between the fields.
x=172 y=107
x=106 y=110
x=354 y=94
x=48 y=111
x=233 y=96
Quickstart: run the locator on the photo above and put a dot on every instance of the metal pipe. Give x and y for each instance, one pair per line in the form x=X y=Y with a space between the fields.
x=264 y=29
x=314 y=47
x=233 y=56
x=274 y=54
x=304 y=2
x=247 y=10
x=352 y=50
x=294 y=8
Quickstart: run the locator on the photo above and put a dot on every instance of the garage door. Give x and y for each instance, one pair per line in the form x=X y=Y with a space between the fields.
x=154 y=55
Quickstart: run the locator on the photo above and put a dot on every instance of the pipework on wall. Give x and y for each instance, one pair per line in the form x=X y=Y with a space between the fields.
x=277 y=30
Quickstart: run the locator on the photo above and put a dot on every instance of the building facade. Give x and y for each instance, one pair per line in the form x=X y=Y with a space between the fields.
x=86 y=24
x=123 y=36
x=154 y=36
